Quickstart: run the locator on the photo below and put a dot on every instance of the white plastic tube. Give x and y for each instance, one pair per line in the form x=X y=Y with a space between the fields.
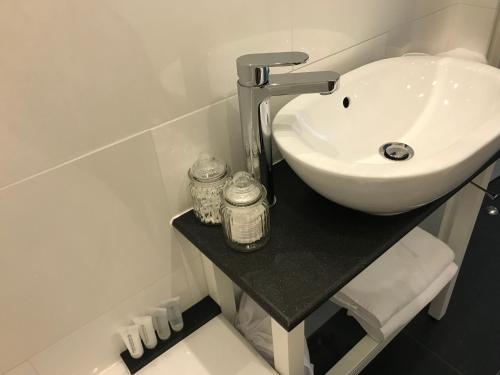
x=160 y=322
x=131 y=338
x=174 y=313
x=146 y=331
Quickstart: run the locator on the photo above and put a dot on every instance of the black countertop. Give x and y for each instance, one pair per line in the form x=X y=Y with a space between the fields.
x=316 y=247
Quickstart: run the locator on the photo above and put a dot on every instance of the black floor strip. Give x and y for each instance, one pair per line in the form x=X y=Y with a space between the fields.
x=465 y=342
x=194 y=317
x=468 y=336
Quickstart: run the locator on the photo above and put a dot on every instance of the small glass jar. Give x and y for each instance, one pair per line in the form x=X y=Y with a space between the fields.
x=208 y=177
x=245 y=213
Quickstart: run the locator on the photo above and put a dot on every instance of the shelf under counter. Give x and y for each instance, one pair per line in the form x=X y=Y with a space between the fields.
x=316 y=247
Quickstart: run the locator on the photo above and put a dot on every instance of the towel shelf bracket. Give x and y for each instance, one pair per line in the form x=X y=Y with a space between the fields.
x=492 y=196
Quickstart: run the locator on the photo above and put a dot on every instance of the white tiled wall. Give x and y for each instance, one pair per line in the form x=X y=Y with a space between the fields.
x=103 y=107
x=23 y=369
x=472 y=27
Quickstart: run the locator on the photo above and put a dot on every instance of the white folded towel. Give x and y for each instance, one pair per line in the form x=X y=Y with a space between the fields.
x=407 y=313
x=395 y=279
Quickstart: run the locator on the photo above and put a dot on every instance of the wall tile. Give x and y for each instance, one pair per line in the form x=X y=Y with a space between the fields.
x=425 y=7
x=79 y=75
x=23 y=369
x=457 y=26
x=398 y=40
x=352 y=58
x=117 y=368
x=74 y=78
x=430 y=34
x=191 y=258
x=77 y=240
x=215 y=129
x=324 y=27
x=92 y=348
x=480 y=3
x=471 y=28
x=196 y=278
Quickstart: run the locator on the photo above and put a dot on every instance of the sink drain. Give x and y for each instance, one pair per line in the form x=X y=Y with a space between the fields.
x=396 y=151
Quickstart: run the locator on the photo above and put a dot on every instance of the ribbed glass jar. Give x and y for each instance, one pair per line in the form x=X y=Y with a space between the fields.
x=245 y=213
x=208 y=177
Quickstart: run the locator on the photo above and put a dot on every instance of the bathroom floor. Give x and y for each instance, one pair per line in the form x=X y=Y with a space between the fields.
x=465 y=342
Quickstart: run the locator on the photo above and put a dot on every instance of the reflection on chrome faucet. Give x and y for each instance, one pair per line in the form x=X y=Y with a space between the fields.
x=255 y=87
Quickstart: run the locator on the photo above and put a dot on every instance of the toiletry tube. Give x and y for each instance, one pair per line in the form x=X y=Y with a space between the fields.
x=146 y=331
x=160 y=322
x=174 y=313
x=131 y=338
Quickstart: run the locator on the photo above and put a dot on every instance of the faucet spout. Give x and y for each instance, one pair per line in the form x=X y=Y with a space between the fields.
x=255 y=87
x=303 y=83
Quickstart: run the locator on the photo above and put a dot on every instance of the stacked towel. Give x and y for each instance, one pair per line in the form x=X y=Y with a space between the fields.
x=394 y=288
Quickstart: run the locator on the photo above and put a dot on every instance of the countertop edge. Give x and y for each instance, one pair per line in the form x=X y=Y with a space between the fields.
x=290 y=322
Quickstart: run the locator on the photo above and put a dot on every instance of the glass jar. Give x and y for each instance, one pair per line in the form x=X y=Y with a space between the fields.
x=208 y=177
x=245 y=213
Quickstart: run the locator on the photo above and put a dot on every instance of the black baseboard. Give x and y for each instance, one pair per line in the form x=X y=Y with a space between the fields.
x=194 y=317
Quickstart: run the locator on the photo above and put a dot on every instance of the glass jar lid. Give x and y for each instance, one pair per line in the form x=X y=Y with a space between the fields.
x=208 y=169
x=243 y=190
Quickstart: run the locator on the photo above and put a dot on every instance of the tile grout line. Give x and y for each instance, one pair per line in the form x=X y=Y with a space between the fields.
x=124 y=139
x=114 y=143
x=87 y=322
x=475 y=6
x=410 y=20
x=32 y=366
x=27 y=362
x=438 y=356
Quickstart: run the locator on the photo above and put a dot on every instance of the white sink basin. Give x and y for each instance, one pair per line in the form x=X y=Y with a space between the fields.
x=447 y=110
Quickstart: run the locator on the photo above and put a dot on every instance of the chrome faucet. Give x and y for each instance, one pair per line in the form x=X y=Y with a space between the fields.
x=255 y=87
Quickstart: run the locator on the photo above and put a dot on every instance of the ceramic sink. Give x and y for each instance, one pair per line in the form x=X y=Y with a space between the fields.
x=397 y=134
